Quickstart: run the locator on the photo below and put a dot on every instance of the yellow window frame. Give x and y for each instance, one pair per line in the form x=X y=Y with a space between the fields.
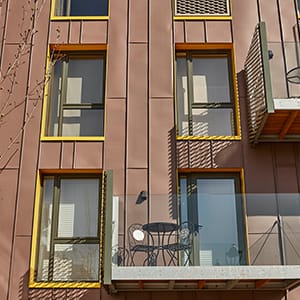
x=59 y=50
x=54 y=17
x=36 y=229
x=182 y=47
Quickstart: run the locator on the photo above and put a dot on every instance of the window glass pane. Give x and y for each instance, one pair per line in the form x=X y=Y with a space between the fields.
x=89 y=8
x=81 y=8
x=85 y=122
x=210 y=80
x=210 y=122
x=218 y=244
x=78 y=208
x=45 y=230
x=85 y=81
x=216 y=210
x=183 y=200
x=77 y=262
x=55 y=99
x=182 y=95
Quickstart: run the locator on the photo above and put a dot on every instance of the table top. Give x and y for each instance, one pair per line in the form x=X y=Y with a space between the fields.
x=160 y=227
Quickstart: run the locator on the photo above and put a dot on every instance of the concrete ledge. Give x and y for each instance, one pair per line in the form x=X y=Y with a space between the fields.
x=206 y=273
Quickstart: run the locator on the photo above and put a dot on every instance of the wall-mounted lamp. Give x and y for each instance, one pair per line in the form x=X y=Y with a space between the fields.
x=270 y=54
x=141 y=197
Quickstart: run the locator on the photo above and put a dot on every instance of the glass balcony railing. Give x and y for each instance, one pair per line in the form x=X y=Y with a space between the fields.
x=215 y=237
x=228 y=230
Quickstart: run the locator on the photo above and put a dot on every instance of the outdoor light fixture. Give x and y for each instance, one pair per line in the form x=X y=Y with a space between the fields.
x=141 y=197
x=270 y=54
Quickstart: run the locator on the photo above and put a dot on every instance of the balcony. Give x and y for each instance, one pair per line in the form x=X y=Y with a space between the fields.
x=272 y=72
x=257 y=250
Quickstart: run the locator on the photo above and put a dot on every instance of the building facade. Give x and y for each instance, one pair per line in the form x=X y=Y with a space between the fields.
x=150 y=148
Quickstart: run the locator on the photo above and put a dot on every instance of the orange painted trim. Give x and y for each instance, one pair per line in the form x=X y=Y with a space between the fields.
x=69 y=171
x=203 y=46
x=260 y=283
x=141 y=285
x=77 y=47
x=201 y=284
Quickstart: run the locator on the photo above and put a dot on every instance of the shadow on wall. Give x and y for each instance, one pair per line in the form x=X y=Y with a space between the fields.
x=24 y=293
x=207 y=154
x=172 y=174
x=51 y=294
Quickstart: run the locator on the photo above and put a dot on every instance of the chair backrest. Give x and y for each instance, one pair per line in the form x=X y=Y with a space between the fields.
x=138 y=236
x=185 y=233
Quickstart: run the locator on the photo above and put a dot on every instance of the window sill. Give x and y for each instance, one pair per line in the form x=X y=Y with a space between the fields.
x=202 y=17
x=203 y=138
x=72 y=138
x=70 y=18
x=91 y=285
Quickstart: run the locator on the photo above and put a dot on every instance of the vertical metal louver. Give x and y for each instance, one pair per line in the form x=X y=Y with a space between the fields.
x=202 y=7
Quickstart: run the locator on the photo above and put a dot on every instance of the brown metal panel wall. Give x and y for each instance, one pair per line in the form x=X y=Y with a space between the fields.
x=194 y=31
x=160 y=47
x=18 y=288
x=114 y=146
x=161 y=114
x=75 y=32
x=12 y=101
x=178 y=32
x=137 y=113
x=208 y=296
x=218 y=32
x=8 y=182
x=94 y=32
x=137 y=181
x=21 y=129
x=288 y=19
x=59 y=33
x=162 y=160
x=117 y=53
x=28 y=165
x=236 y=296
x=285 y=161
x=78 y=32
x=120 y=296
x=67 y=157
x=137 y=129
x=293 y=295
x=50 y=155
x=62 y=294
x=268 y=295
x=80 y=155
x=138 y=21
x=269 y=13
x=165 y=296
x=116 y=104
x=88 y=155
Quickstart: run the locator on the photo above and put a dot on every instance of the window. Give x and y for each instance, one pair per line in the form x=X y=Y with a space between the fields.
x=68 y=246
x=76 y=104
x=202 y=7
x=81 y=8
x=212 y=203
x=205 y=94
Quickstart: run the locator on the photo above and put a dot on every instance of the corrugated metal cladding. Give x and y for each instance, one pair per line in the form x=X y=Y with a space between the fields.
x=202 y=7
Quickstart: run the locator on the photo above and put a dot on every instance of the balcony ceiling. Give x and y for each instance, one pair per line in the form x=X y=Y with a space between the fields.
x=282 y=125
